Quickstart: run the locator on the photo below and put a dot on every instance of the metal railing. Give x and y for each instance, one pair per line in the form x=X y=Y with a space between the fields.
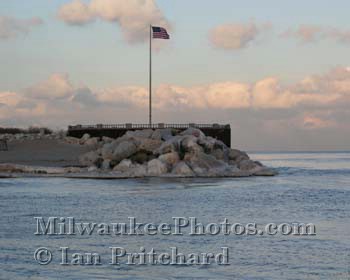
x=146 y=126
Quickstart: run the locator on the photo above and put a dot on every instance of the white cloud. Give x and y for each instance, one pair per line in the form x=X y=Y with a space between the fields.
x=236 y=36
x=11 y=27
x=133 y=16
x=307 y=33
x=75 y=13
x=57 y=86
x=316 y=102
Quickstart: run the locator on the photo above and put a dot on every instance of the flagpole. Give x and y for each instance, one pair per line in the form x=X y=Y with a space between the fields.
x=150 y=76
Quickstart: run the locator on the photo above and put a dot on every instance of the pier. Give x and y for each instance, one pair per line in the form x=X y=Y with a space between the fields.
x=218 y=131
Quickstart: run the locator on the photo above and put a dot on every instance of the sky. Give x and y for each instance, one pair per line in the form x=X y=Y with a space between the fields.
x=277 y=71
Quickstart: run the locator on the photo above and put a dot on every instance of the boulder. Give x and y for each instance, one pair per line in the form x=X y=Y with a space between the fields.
x=189 y=145
x=157 y=135
x=83 y=139
x=265 y=171
x=194 y=132
x=72 y=170
x=123 y=166
x=156 y=167
x=207 y=143
x=138 y=171
x=92 y=168
x=248 y=164
x=106 y=139
x=92 y=142
x=170 y=159
x=124 y=150
x=89 y=159
x=71 y=140
x=206 y=165
x=148 y=145
x=142 y=157
x=145 y=133
x=237 y=155
x=172 y=145
x=182 y=169
x=106 y=164
x=166 y=134
x=220 y=145
x=219 y=154
x=107 y=151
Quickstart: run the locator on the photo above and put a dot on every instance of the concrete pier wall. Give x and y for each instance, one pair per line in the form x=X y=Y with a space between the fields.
x=220 y=132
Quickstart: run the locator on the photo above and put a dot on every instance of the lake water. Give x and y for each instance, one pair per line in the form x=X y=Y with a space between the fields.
x=311 y=188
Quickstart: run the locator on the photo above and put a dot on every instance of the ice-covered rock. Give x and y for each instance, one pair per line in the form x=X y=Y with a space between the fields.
x=156 y=167
x=148 y=145
x=170 y=159
x=194 y=132
x=183 y=170
x=92 y=142
x=89 y=159
x=124 y=150
x=83 y=139
x=123 y=166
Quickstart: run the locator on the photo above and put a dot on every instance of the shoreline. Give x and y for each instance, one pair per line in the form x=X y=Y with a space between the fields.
x=162 y=153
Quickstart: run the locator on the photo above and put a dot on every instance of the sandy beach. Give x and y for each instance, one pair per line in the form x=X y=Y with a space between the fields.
x=43 y=152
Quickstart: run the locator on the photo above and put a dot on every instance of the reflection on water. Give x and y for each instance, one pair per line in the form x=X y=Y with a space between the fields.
x=312 y=187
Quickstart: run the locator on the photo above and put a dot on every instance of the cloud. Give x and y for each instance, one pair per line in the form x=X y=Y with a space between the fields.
x=263 y=114
x=8 y=98
x=307 y=33
x=57 y=86
x=236 y=36
x=11 y=27
x=133 y=16
x=76 y=13
x=313 y=122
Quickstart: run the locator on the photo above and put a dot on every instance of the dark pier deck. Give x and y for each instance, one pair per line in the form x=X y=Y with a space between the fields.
x=220 y=132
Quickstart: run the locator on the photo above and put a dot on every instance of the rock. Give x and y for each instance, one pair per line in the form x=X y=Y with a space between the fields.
x=166 y=147
x=237 y=155
x=218 y=154
x=220 y=145
x=166 y=134
x=138 y=171
x=142 y=157
x=264 y=171
x=106 y=164
x=11 y=168
x=194 y=132
x=83 y=139
x=156 y=167
x=182 y=169
x=72 y=170
x=92 y=169
x=124 y=150
x=206 y=165
x=123 y=166
x=71 y=140
x=107 y=151
x=207 y=143
x=148 y=145
x=89 y=159
x=248 y=164
x=92 y=142
x=170 y=159
x=157 y=135
x=189 y=145
x=145 y=133
x=106 y=139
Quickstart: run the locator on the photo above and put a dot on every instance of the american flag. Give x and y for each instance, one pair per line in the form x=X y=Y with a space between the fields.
x=160 y=33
